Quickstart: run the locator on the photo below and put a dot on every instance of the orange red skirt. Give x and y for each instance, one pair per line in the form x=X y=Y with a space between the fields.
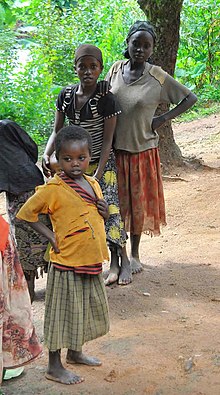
x=140 y=190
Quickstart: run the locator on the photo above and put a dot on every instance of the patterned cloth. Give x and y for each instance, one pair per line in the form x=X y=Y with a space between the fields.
x=76 y=309
x=18 y=341
x=141 y=191
x=31 y=245
x=114 y=227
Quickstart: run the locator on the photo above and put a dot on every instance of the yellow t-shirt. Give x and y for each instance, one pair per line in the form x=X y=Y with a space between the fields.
x=70 y=214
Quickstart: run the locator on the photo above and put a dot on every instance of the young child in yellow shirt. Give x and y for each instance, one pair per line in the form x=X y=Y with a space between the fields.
x=76 y=308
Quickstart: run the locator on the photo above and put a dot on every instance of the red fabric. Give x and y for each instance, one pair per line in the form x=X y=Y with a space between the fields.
x=93 y=269
x=82 y=192
x=141 y=191
x=4 y=231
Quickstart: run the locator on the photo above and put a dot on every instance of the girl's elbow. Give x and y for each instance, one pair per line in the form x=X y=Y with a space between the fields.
x=193 y=98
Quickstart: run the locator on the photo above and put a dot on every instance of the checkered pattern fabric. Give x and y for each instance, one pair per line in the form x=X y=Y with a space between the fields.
x=76 y=309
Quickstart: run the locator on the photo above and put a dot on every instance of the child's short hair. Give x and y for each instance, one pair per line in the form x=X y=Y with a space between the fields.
x=72 y=132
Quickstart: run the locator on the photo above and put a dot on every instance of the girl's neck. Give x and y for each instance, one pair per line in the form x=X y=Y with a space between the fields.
x=79 y=180
x=86 y=90
x=83 y=94
x=137 y=65
x=132 y=71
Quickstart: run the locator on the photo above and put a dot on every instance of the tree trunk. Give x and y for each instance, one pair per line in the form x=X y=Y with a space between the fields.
x=165 y=17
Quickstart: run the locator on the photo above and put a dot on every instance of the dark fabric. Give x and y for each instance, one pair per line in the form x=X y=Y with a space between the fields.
x=107 y=106
x=31 y=245
x=88 y=50
x=18 y=155
x=136 y=27
x=141 y=26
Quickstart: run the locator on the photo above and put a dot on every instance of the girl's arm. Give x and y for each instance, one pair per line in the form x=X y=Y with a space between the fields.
x=39 y=227
x=58 y=124
x=183 y=106
x=109 y=128
x=103 y=208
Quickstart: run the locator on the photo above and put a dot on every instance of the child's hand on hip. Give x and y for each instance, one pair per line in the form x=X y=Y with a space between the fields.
x=103 y=208
x=53 y=242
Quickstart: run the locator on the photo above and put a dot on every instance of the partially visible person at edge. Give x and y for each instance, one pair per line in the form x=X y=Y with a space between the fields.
x=19 y=176
x=76 y=308
x=84 y=105
x=140 y=87
x=18 y=341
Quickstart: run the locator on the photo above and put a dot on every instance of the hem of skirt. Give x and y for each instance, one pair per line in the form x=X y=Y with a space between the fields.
x=115 y=244
x=149 y=232
x=71 y=347
x=39 y=355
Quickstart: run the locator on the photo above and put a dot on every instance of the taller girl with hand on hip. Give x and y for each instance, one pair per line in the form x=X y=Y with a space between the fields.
x=140 y=87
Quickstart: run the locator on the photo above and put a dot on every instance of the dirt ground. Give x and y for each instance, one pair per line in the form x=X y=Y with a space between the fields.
x=165 y=326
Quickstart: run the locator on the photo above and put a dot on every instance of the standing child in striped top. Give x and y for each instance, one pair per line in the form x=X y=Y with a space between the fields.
x=76 y=308
x=84 y=105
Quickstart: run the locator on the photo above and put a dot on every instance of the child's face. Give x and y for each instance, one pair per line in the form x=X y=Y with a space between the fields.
x=74 y=158
x=140 y=46
x=88 y=70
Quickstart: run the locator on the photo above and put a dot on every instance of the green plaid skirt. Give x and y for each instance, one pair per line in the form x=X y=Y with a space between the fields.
x=76 y=309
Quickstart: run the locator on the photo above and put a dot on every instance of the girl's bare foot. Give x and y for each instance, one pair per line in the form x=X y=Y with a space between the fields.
x=63 y=376
x=112 y=277
x=125 y=276
x=136 y=265
x=114 y=269
x=78 y=357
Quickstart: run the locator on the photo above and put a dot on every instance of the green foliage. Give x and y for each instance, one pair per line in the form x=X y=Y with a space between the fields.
x=50 y=31
x=6 y=16
x=198 y=62
x=38 y=39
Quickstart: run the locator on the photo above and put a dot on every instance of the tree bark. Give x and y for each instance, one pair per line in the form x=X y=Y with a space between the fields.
x=164 y=15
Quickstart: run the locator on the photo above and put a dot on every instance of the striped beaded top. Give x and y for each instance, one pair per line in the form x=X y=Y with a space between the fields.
x=91 y=116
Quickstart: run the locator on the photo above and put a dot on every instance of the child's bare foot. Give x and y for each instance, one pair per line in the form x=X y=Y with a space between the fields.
x=56 y=371
x=136 y=265
x=63 y=376
x=78 y=357
x=125 y=276
x=112 y=276
x=114 y=269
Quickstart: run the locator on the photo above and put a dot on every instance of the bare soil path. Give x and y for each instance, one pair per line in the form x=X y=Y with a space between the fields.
x=165 y=326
